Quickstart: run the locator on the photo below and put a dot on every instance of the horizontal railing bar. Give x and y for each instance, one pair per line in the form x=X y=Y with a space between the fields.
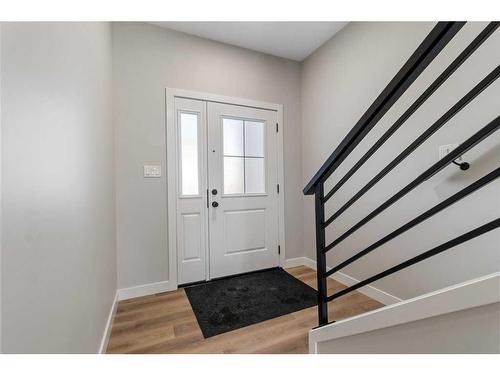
x=469 y=50
x=432 y=170
x=480 y=87
x=424 y=216
x=430 y=253
x=430 y=47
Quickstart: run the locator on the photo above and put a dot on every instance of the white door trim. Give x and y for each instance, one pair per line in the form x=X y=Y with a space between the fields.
x=171 y=163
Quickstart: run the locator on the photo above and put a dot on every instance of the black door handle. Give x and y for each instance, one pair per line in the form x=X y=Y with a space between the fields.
x=215 y=204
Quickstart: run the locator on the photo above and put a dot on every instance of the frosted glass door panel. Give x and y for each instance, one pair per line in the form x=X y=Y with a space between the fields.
x=254 y=139
x=234 y=175
x=233 y=137
x=255 y=176
x=244 y=156
x=189 y=153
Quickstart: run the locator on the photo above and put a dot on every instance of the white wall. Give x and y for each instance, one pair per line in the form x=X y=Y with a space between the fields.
x=59 y=255
x=471 y=331
x=146 y=59
x=1 y=351
x=339 y=82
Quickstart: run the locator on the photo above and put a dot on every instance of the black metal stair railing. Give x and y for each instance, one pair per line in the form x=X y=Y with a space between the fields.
x=430 y=47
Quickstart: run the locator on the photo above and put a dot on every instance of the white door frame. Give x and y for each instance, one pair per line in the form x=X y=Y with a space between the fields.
x=172 y=173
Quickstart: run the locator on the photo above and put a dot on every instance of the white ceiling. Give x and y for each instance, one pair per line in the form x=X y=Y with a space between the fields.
x=291 y=40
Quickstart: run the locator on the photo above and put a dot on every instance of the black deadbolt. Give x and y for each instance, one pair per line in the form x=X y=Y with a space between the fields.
x=215 y=204
x=214 y=191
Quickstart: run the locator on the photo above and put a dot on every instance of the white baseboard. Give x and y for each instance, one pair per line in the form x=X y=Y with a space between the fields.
x=368 y=290
x=295 y=262
x=109 y=323
x=145 y=290
x=165 y=286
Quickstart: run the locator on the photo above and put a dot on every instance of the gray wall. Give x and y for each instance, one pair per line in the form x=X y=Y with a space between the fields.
x=146 y=60
x=1 y=333
x=339 y=82
x=471 y=331
x=59 y=256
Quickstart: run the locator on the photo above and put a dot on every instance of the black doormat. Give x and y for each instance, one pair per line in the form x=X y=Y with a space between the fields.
x=235 y=302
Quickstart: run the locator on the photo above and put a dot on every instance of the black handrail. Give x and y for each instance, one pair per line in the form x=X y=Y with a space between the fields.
x=466 y=99
x=438 y=249
x=474 y=45
x=431 y=171
x=422 y=217
x=437 y=39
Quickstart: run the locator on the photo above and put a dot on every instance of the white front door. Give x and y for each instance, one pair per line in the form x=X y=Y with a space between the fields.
x=242 y=181
x=227 y=197
x=191 y=216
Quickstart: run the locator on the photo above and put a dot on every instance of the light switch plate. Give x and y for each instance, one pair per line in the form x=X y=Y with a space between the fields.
x=446 y=149
x=152 y=171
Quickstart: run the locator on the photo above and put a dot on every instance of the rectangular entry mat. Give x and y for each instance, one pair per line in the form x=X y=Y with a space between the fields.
x=239 y=301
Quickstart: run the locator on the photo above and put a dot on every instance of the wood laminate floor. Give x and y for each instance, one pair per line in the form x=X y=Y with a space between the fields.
x=165 y=323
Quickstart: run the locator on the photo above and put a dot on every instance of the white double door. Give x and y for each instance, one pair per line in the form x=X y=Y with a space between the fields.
x=227 y=195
